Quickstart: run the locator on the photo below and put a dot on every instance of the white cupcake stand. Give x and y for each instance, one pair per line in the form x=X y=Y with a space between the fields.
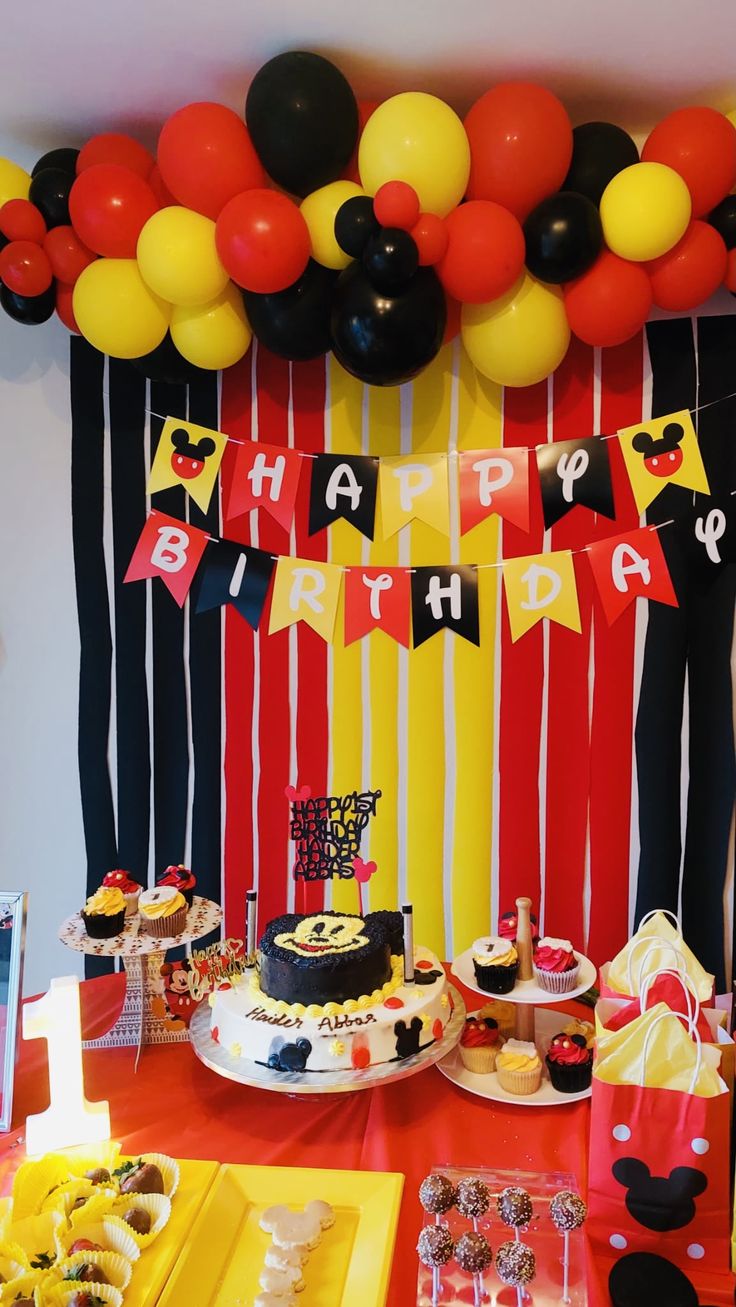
x=533 y=1022
x=142 y=955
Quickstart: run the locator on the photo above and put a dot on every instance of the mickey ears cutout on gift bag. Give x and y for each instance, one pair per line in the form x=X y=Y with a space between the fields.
x=658 y=1202
x=641 y=1279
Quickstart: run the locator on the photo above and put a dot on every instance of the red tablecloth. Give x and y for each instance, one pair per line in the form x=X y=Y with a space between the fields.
x=175 y=1105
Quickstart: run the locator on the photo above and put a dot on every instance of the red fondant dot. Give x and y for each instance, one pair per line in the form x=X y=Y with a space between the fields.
x=361 y=1057
x=437 y=1029
x=393 y=1002
x=225 y=985
x=424 y=965
x=216 y=1034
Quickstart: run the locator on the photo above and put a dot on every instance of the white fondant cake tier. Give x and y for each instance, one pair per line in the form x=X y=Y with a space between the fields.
x=383 y=1027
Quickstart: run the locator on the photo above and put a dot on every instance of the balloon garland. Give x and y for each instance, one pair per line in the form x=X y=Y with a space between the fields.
x=377 y=231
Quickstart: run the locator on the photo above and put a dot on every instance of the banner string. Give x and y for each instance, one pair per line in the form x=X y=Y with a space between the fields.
x=452 y=453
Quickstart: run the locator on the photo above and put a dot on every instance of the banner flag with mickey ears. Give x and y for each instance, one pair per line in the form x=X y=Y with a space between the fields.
x=541 y=585
x=662 y=452
x=575 y=472
x=305 y=591
x=627 y=566
x=169 y=549
x=494 y=481
x=445 y=597
x=414 y=487
x=378 y=599
x=187 y=455
x=235 y=574
x=265 y=476
x=343 y=485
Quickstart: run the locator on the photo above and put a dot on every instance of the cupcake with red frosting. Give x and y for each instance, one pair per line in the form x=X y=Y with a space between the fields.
x=570 y=1063
x=479 y=1044
x=182 y=879
x=555 y=965
x=508 y=925
x=129 y=888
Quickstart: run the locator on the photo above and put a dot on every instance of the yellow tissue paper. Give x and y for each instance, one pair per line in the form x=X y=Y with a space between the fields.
x=670 y=1061
x=656 y=946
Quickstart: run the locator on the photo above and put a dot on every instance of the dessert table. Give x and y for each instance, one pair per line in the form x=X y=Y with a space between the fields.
x=175 y=1104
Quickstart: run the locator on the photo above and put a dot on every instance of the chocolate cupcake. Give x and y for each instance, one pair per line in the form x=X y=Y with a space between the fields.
x=496 y=964
x=104 y=913
x=570 y=1063
x=180 y=878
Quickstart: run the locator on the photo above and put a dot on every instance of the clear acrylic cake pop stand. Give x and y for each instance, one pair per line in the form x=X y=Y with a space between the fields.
x=546 y=1290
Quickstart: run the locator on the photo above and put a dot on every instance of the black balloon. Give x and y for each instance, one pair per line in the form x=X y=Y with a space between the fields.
x=599 y=152
x=28 y=309
x=166 y=364
x=50 y=193
x=64 y=158
x=386 y=340
x=295 y=323
x=723 y=218
x=563 y=237
x=390 y=259
x=303 y=120
x=355 y=223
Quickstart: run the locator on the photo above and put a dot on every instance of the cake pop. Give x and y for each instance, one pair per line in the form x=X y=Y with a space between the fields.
x=435 y=1247
x=473 y=1252
x=567 y=1211
x=473 y=1198
x=514 y=1206
x=516 y=1265
x=436 y=1194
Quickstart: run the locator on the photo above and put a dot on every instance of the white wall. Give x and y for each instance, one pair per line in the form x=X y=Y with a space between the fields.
x=41 y=837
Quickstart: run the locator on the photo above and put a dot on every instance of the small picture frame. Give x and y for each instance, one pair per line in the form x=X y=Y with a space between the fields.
x=13 y=913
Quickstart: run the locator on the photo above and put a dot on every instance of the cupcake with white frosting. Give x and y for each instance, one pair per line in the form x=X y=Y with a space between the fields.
x=496 y=964
x=163 y=911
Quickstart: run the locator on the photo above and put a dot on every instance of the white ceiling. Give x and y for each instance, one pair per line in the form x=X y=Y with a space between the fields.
x=73 y=67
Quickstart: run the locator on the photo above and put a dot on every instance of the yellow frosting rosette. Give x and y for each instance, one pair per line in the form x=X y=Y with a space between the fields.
x=117 y=1269
x=158 y=1207
x=492 y=951
x=519 y=1067
x=165 y=906
x=105 y=902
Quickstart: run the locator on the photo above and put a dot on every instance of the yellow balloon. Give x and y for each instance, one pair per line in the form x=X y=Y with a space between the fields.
x=212 y=335
x=521 y=337
x=644 y=211
x=732 y=117
x=178 y=258
x=418 y=139
x=15 y=182
x=115 y=310
x=318 y=211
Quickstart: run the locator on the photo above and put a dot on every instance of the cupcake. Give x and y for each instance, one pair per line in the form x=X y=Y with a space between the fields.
x=180 y=878
x=129 y=888
x=584 y=1028
x=555 y=965
x=519 y=1067
x=508 y=923
x=570 y=1063
x=496 y=964
x=479 y=1044
x=503 y=1013
x=163 y=911
x=104 y=913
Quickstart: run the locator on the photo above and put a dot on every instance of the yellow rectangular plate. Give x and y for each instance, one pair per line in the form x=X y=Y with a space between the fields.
x=225 y=1251
x=154 y=1266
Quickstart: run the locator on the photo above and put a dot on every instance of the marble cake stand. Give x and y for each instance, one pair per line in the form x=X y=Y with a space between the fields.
x=142 y=956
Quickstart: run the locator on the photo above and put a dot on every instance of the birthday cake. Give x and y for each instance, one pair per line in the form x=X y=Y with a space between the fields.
x=329 y=994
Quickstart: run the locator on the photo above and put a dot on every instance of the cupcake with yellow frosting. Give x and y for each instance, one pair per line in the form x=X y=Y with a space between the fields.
x=104 y=913
x=519 y=1067
x=163 y=911
x=496 y=964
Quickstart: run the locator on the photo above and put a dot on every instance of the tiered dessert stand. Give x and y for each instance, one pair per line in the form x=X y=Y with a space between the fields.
x=534 y=1021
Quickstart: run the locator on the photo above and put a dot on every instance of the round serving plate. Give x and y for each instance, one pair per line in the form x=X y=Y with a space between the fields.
x=202 y=917
x=548 y=1024
x=245 y=1072
x=525 y=991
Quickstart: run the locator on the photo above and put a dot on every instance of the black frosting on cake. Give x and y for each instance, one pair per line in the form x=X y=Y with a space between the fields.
x=393 y=923
x=335 y=956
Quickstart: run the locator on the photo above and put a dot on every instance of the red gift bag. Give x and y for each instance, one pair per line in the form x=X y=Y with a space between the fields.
x=659 y=1175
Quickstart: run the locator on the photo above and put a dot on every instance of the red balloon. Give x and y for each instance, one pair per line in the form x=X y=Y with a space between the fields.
x=485 y=252
x=22 y=221
x=115 y=147
x=454 y=319
x=25 y=268
x=365 y=109
x=396 y=204
x=430 y=236
x=109 y=206
x=700 y=144
x=65 y=308
x=206 y=157
x=729 y=280
x=67 y=255
x=692 y=271
x=520 y=146
x=156 y=182
x=610 y=303
x=263 y=241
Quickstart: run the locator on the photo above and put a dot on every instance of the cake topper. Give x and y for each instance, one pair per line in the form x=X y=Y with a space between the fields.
x=327 y=832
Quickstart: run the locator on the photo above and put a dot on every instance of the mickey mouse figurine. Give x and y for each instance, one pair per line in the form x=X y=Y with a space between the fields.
x=189 y=455
x=176 y=1006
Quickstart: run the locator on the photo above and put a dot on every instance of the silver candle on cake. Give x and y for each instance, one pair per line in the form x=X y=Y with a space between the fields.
x=408 y=914
x=251 y=913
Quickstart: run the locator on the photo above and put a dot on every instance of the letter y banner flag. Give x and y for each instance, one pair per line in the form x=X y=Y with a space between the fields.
x=169 y=549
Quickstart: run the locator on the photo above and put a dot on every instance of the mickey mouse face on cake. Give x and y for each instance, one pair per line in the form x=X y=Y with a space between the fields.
x=659 y=1202
x=323 y=934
